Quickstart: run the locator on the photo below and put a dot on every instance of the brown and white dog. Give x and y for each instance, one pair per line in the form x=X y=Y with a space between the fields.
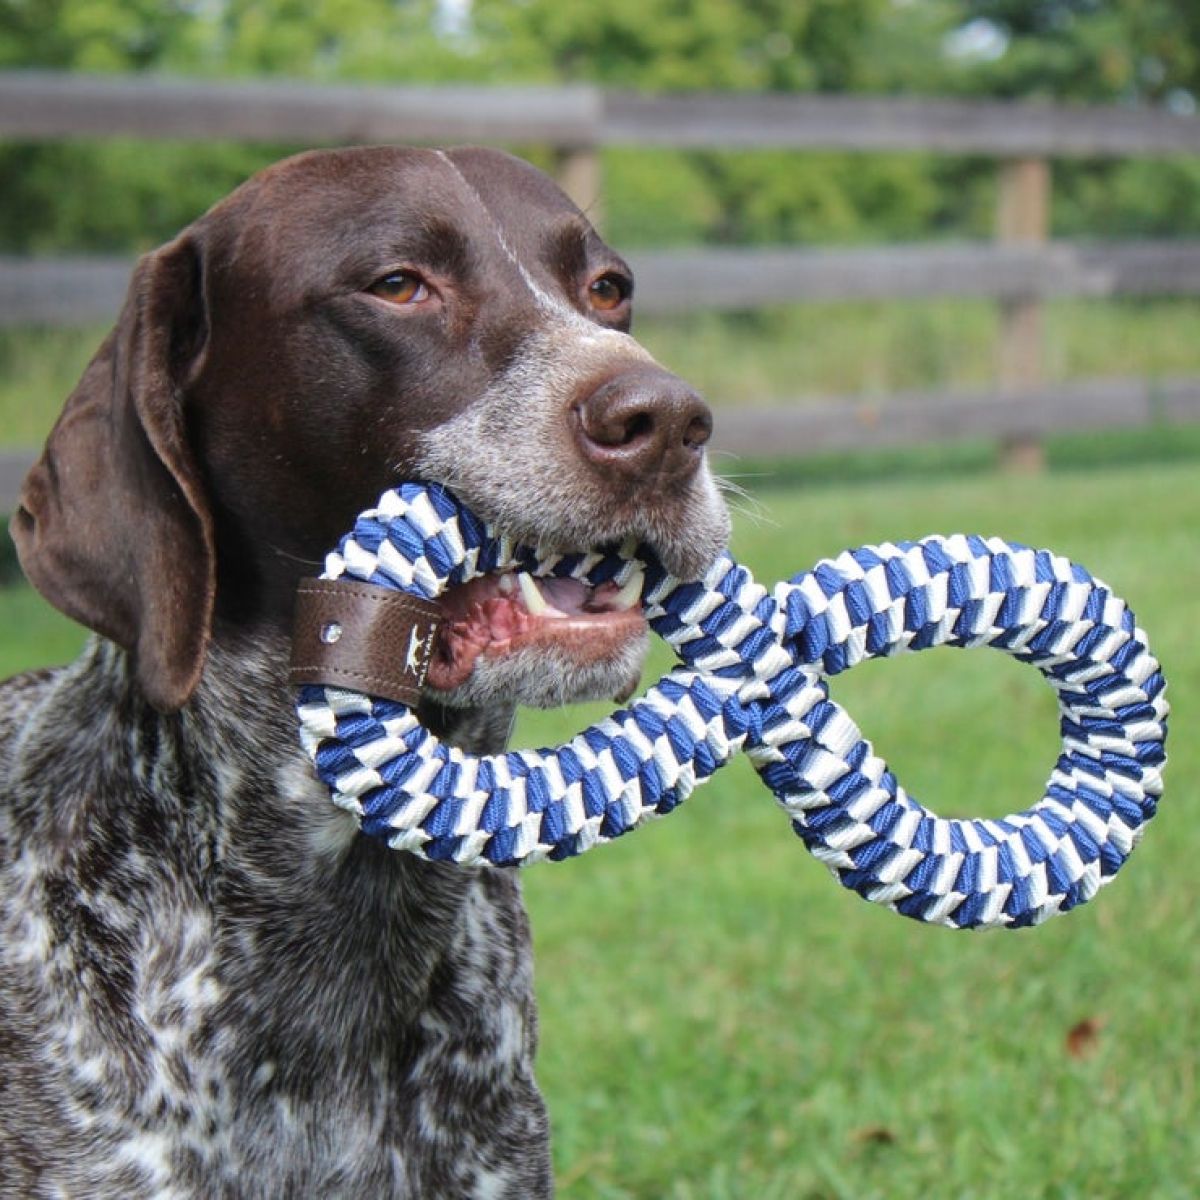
x=192 y=1004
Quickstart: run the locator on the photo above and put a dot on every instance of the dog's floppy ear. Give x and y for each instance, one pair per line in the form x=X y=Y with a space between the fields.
x=113 y=526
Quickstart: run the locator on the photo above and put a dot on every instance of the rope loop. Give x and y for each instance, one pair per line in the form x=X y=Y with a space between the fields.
x=753 y=675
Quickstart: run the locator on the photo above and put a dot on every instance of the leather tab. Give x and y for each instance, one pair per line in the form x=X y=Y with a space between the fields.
x=362 y=637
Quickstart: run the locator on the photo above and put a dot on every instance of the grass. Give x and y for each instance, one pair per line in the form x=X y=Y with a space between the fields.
x=720 y=1021
x=32 y=634
x=38 y=369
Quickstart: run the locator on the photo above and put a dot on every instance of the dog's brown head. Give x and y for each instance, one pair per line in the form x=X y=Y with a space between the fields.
x=345 y=320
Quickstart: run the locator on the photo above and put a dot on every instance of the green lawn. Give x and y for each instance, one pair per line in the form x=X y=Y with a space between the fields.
x=720 y=1020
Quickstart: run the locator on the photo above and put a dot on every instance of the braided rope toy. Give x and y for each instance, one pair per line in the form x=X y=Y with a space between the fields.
x=752 y=677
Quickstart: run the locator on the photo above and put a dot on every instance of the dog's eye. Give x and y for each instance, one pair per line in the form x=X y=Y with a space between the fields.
x=401 y=287
x=608 y=292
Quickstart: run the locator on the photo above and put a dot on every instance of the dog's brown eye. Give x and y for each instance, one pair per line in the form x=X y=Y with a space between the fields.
x=401 y=287
x=608 y=292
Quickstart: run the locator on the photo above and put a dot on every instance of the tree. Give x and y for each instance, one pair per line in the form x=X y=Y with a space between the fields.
x=1136 y=51
x=127 y=195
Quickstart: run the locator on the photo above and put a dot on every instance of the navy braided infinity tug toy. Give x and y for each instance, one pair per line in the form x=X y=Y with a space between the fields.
x=752 y=677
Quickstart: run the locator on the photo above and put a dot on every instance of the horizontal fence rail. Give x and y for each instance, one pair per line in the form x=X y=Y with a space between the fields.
x=68 y=291
x=47 y=104
x=1002 y=129
x=13 y=466
x=679 y=281
x=921 y=418
x=62 y=291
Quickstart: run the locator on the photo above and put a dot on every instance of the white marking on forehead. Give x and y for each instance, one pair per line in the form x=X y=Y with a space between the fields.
x=544 y=299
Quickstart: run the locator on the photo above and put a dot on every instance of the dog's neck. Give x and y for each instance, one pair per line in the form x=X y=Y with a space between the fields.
x=244 y=714
x=245 y=681
x=228 y=773
x=233 y=760
x=240 y=730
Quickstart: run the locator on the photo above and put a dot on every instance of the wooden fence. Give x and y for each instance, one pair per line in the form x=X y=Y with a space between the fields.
x=1020 y=269
x=47 y=104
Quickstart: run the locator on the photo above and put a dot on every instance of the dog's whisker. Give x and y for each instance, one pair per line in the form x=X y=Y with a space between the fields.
x=743 y=502
x=754 y=516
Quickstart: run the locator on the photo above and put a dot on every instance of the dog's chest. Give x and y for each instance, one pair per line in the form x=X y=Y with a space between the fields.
x=214 y=1007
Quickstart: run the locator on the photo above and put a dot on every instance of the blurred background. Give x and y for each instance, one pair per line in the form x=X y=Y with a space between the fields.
x=936 y=265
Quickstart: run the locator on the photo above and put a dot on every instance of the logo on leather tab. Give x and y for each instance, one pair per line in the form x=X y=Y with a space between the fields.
x=420 y=647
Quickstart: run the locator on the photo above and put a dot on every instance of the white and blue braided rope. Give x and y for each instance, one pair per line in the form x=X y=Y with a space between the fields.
x=753 y=677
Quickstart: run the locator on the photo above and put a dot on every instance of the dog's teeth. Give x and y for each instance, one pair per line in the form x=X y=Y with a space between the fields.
x=631 y=592
x=628 y=548
x=535 y=602
x=506 y=584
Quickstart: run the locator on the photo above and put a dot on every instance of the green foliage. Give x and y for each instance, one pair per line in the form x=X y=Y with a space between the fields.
x=774 y=197
x=1132 y=198
x=117 y=195
x=114 y=196
x=342 y=39
x=771 y=45
x=1097 y=50
x=654 y=199
x=91 y=35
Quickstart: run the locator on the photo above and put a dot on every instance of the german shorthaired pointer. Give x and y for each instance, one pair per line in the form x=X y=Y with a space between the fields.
x=189 y=1005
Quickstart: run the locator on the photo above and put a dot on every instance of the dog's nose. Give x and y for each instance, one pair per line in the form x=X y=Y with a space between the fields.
x=644 y=422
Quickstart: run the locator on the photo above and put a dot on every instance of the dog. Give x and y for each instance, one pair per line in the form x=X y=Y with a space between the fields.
x=194 y=1003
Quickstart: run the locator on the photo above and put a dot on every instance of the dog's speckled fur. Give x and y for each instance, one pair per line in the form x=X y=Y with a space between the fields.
x=211 y=985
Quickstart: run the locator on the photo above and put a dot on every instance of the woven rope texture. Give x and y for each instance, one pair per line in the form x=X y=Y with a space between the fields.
x=753 y=672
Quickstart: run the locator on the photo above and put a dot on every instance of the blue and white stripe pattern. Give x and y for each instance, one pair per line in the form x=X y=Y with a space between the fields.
x=753 y=677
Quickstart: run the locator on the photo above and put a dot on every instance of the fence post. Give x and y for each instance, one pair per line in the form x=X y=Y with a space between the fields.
x=1022 y=216
x=578 y=173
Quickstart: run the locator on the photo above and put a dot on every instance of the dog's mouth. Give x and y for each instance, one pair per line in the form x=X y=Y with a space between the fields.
x=495 y=616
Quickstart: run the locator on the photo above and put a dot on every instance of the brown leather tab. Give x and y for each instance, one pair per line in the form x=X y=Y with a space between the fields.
x=369 y=639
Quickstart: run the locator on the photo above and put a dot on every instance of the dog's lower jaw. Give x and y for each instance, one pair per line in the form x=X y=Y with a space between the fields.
x=306 y=1012
x=545 y=677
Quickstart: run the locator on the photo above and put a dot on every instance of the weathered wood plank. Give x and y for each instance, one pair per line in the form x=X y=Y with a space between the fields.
x=1005 y=129
x=62 y=291
x=1022 y=219
x=909 y=419
x=740 y=278
x=79 y=290
x=14 y=464
x=46 y=104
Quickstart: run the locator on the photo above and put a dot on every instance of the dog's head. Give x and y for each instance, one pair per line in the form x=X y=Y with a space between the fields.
x=345 y=320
